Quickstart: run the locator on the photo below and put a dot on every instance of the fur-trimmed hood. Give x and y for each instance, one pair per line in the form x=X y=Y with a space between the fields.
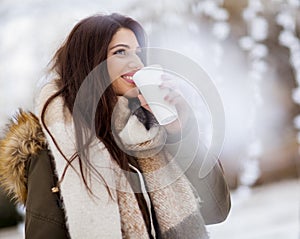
x=23 y=138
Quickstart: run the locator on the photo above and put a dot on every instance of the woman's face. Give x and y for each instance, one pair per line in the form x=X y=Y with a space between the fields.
x=123 y=62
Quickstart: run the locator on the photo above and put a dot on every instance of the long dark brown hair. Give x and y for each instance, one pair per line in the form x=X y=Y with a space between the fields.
x=78 y=57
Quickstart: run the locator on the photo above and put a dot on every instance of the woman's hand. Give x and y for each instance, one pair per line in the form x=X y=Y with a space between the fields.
x=143 y=102
x=174 y=97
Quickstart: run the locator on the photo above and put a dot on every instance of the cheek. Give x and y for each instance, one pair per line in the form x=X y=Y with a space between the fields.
x=121 y=88
x=117 y=85
x=115 y=67
x=112 y=69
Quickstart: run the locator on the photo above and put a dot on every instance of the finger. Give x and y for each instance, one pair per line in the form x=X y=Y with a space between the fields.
x=168 y=85
x=166 y=77
x=168 y=82
x=142 y=99
x=173 y=97
x=143 y=102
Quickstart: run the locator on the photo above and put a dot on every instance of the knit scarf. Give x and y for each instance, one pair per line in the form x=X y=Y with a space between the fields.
x=166 y=190
x=176 y=206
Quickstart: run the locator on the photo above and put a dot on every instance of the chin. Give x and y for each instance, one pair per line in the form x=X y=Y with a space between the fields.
x=132 y=93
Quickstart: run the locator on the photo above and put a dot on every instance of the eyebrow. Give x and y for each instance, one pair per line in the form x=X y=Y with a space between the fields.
x=118 y=45
x=122 y=45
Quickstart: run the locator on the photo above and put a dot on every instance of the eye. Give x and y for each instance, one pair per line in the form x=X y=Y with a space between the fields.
x=120 y=52
x=140 y=53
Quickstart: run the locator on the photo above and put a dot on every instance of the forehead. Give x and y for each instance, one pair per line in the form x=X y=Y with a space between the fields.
x=125 y=36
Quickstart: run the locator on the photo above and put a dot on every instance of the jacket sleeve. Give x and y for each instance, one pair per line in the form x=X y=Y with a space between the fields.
x=212 y=189
x=44 y=213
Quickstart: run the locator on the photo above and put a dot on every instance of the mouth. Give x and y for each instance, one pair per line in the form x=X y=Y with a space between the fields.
x=128 y=77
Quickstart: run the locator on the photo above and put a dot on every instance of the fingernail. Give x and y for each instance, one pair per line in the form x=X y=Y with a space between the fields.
x=164 y=76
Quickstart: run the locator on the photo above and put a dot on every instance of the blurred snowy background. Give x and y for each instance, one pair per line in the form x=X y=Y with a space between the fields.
x=251 y=50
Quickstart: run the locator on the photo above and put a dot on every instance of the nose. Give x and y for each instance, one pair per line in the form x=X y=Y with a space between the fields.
x=135 y=62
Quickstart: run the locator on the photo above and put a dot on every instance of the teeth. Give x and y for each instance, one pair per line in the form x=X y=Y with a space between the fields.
x=127 y=77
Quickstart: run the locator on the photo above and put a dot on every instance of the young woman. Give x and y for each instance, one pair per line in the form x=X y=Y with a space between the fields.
x=92 y=163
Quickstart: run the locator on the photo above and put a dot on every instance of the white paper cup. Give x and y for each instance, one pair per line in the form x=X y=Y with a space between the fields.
x=148 y=80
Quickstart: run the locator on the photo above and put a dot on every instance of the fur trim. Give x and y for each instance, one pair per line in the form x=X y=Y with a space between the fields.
x=23 y=138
